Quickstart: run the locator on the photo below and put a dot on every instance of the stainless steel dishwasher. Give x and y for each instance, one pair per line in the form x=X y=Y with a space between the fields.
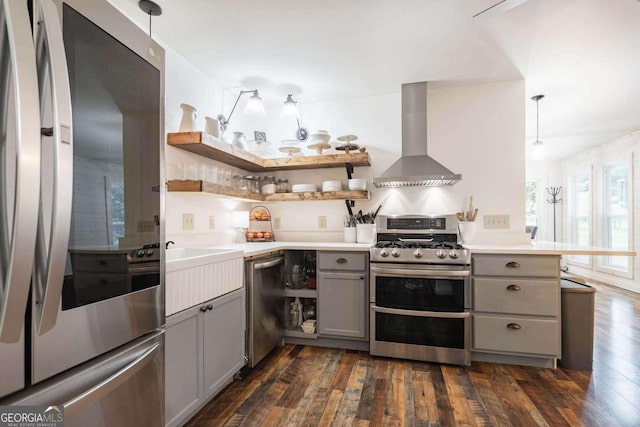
x=265 y=305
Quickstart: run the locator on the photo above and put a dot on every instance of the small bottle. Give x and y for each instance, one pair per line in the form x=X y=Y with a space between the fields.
x=294 y=315
x=298 y=305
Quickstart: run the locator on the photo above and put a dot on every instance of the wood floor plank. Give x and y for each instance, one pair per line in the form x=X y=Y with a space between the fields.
x=311 y=386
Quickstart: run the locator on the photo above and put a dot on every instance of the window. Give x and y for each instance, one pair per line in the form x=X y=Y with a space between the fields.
x=531 y=202
x=580 y=200
x=615 y=224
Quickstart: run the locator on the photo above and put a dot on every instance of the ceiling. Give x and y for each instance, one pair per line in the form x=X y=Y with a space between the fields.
x=583 y=55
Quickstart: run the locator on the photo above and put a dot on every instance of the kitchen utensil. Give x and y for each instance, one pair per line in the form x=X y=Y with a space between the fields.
x=375 y=214
x=348 y=203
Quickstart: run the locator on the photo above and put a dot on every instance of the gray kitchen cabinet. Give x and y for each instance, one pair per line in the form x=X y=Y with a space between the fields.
x=343 y=294
x=516 y=308
x=204 y=349
x=183 y=354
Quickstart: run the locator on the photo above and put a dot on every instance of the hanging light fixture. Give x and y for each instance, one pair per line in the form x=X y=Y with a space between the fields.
x=254 y=107
x=538 y=147
x=290 y=109
x=151 y=9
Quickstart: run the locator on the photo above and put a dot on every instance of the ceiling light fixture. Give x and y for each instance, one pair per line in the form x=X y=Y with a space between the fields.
x=151 y=9
x=254 y=107
x=290 y=108
x=538 y=147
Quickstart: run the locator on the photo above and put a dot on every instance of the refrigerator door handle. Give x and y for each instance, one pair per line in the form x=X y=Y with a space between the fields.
x=17 y=255
x=97 y=392
x=51 y=250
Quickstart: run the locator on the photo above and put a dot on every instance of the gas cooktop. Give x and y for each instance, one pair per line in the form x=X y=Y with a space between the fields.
x=418 y=239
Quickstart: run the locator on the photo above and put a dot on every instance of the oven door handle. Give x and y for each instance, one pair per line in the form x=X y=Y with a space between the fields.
x=134 y=270
x=414 y=273
x=402 y=312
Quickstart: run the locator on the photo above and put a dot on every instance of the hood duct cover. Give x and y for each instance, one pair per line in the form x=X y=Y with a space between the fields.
x=415 y=167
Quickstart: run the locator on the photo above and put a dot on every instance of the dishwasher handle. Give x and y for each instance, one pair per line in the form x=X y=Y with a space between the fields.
x=268 y=263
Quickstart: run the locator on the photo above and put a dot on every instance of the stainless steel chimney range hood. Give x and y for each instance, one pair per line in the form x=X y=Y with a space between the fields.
x=415 y=167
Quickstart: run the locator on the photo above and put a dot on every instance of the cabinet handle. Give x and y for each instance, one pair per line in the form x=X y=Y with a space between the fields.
x=514 y=326
x=513 y=287
x=203 y=308
x=342 y=261
x=361 y=277
x=513 y=264
x=209 y=307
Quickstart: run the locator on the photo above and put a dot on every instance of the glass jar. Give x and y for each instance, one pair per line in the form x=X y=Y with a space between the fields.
x=282 y=186
x=252 y=184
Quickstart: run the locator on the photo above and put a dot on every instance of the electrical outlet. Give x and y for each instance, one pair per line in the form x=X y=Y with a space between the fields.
x=146 y=226
x=496 y=221
x=212 y=222
x=322 y=221
x=276 y=223
x=187 y=221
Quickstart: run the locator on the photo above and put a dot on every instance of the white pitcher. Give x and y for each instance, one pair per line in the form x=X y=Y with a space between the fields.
x=188 y=122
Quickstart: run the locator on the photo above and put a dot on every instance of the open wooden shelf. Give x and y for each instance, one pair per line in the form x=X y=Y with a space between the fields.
x=221 y=190
x=208 y=146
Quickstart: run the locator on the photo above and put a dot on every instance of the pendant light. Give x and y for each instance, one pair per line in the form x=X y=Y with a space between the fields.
x=150 y=8
x=538 y=147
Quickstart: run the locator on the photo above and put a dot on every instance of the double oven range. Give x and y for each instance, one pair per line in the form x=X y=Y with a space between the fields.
x=420 y=290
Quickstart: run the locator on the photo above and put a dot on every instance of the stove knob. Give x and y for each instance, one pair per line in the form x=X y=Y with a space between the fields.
x=453 y=254
x=140 y=253
x=149 y=252
x=440 y=253
x=395 y=253
x=384 y=253
x=417 y=253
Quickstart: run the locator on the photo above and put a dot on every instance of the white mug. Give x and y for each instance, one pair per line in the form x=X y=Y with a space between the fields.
x=212 y=126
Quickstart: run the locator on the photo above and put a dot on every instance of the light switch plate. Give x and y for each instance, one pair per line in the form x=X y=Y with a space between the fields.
x=496 y=221
x=322 y=221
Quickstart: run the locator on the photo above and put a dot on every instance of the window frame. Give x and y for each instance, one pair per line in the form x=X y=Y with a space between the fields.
x=579 y=260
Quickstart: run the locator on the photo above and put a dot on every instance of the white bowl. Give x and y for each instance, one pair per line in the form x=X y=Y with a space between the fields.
x=357 y=184
x=319 y=138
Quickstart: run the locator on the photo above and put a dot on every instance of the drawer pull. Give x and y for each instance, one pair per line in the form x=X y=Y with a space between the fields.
x=513 y=288
x=203 y=308
x=513 y=264
x=514 y=326
x=209 y=307
x=342 y=261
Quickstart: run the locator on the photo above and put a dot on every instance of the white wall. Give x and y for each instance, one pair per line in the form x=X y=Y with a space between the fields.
x=184 y=83
x=476 y=130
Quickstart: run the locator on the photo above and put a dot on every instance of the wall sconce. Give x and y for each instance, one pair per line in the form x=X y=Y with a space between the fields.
x=254 y=107
x=240 y=221
x=290 y=108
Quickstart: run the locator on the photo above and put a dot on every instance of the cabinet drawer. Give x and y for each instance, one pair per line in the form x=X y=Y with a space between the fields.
x=516 y=266
x=516 y=296
x=354 y=261
x=501 y=333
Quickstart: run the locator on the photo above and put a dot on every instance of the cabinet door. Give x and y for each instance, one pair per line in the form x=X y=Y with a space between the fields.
x=182 y=366
x=342 y=304
x=223 y=340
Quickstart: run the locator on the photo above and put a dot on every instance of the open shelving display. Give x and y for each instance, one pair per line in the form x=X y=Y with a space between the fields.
x=222 y=190
x=212 y=148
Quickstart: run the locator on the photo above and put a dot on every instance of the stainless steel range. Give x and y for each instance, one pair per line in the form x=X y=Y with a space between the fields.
x=420 y=290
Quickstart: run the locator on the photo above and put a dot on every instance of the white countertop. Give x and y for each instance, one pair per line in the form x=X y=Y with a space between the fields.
x=541 y=247
x=259 y=248
x=535 y=248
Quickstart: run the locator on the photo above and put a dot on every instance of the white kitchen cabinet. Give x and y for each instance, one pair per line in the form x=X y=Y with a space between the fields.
x=204 y=349
x=516 y=309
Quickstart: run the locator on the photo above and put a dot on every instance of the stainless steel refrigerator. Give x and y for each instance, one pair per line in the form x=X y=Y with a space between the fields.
x=81 y=203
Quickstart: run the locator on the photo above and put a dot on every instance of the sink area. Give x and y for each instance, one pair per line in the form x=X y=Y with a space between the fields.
x=196 y=275
x=182 y=255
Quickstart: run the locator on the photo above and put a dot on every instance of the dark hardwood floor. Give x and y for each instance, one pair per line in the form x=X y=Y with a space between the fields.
x=312 y=386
